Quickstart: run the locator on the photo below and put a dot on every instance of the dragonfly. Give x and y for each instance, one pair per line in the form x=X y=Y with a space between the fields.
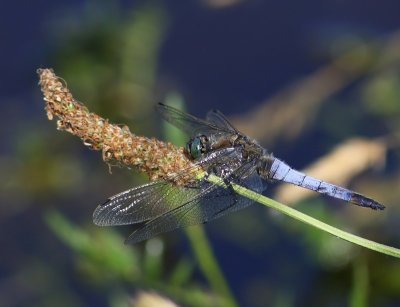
x=220 y=149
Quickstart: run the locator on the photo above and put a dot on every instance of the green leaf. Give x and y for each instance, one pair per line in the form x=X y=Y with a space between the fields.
x=181 y=273
x=98 y=256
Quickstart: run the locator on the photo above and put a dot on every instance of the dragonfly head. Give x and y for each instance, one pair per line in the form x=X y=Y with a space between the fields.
x=198 y=146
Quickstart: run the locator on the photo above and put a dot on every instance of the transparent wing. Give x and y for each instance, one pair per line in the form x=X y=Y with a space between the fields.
x=219 y=119
x=210 y=203
x=142 y=203
x=189 y=123
x=148 y=201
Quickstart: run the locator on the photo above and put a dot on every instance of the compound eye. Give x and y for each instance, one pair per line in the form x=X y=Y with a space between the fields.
x=194 y=148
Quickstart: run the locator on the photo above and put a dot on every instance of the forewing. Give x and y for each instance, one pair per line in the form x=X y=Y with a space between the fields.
x=219 y=119
x=142 y=203
x=189 y=123
x=148 y=201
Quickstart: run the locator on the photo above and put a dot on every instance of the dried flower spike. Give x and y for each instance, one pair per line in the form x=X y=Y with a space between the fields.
x=119 y=146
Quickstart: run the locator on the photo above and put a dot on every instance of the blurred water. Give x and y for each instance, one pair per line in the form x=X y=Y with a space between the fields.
x=229 y=58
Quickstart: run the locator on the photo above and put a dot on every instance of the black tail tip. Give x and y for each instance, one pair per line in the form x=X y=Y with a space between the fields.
x=363 y=201
x=377 y=206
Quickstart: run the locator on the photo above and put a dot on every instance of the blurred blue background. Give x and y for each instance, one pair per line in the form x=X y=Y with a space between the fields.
x=311 y=80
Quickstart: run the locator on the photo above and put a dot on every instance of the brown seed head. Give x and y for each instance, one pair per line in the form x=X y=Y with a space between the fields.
x=119 y=146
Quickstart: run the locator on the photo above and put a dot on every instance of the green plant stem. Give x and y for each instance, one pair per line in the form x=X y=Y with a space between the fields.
x=381 y=248
x=208 y=264
x=360 y=287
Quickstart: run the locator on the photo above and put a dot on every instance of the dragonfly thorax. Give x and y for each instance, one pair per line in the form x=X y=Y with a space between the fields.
x=264 y=165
